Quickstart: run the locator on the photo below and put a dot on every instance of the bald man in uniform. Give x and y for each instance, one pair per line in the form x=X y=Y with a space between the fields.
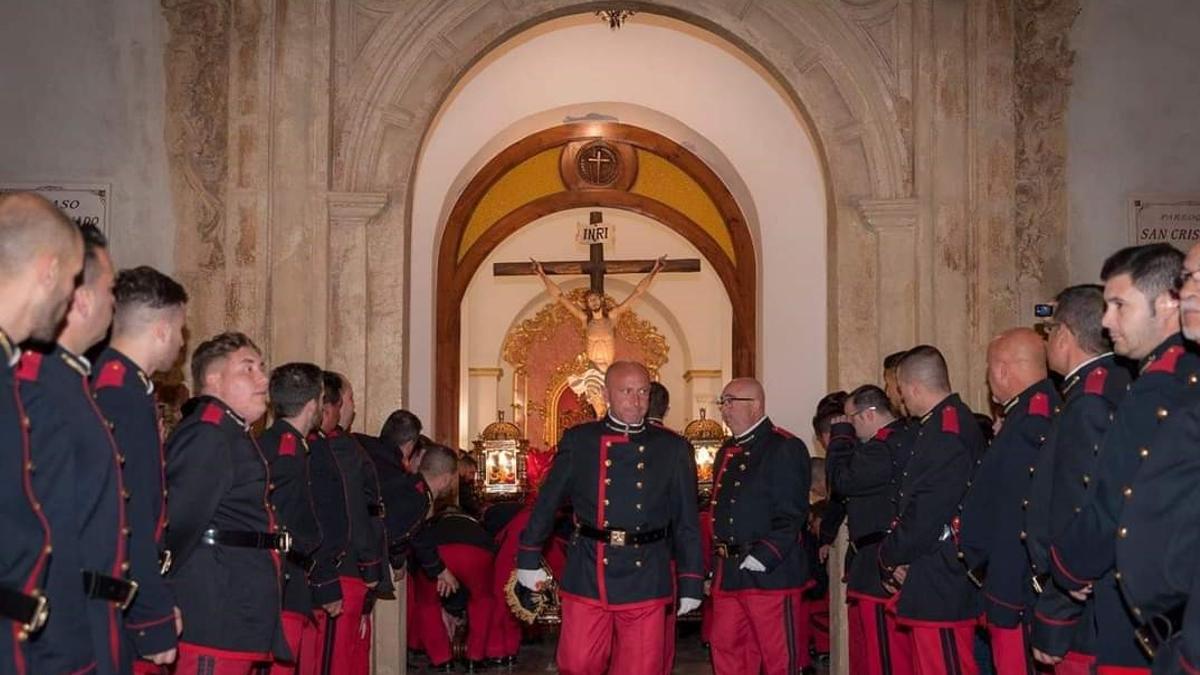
x=633 y=488
x=919 y=556
x=41 y=254
x=993 y=531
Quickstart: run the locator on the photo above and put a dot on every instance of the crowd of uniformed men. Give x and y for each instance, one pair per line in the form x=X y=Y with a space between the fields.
x=1062 y=536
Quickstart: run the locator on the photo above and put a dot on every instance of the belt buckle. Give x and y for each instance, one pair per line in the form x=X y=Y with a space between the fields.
x=41 y=612
x=129 y=595
x=284 y=539
x=616 y=537
x=164 y=563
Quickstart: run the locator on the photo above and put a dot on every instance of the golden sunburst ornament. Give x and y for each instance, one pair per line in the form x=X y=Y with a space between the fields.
x=615 y=18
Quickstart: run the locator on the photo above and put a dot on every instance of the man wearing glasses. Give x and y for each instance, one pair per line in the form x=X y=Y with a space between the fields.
x=867 y=449
x=760 y=510
x=1094 y=382
x=1142 y=316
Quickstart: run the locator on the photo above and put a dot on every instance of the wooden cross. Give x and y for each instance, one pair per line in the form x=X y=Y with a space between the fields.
x=595 y=267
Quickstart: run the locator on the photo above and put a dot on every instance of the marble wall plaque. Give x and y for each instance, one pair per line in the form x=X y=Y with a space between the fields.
x=1165 y=218
x=82 y=202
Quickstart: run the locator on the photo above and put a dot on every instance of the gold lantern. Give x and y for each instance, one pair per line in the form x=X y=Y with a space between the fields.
x=706 y=437
x=500 y=455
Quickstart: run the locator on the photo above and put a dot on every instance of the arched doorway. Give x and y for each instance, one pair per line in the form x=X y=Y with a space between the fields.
x=534 y=177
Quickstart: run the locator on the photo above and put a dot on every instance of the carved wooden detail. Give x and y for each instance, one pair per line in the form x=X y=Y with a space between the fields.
x=1042 y=84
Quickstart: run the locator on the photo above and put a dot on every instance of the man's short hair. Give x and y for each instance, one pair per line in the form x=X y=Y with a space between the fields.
x=871 y=396
x=660 y=400
x=401 y=427
x=333 y=387
x=829 y=407
x=925 y=364
x=439 y=460
x=292 y=386
x=30 y=224
x=214 y=349
x=144 y=288
x=467 y=459
x=93 y=241
x=1081 y=308
x=892 y=361
x=1154 y=268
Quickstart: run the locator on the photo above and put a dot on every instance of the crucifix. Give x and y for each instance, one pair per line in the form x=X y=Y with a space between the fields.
x=599 y=322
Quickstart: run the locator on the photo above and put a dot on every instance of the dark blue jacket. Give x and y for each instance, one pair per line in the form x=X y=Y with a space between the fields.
x=329 y=500
x=948 y=446
x=287 y=453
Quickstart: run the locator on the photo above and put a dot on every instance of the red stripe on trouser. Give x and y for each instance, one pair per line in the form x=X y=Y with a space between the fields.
x=473 y=567
x=1075 y=663
x=883 y=648
x=200 y=660
x=350 y=645
x=818 y=619
x=594 y=640
x=944 y=651
x=1010 y=654
x=759 y=632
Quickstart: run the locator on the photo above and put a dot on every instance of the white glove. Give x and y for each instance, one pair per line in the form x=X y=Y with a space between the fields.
x=532 y=579
x=751 y=563
x=686 y=605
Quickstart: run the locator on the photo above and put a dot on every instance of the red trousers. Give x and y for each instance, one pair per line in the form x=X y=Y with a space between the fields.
x=877 y=645
x=759 y=631
x=669 y=640
x=301 y=634
x=818 y=621
x=352 y=636
x=473 y=567
x=594 y=640
x=943 y=649
x=1121 y=670
x=200 y=660
x=1010 y=650
x=1075 y=663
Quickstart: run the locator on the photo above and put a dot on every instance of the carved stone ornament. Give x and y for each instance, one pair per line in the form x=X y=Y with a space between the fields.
x=197 y=133
x=1043 y=78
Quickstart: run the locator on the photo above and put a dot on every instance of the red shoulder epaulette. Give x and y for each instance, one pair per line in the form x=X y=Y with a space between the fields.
x=884 y=433
x=784 y=432
x=1095 y=381
x=1167 y=362
x=287 y=445
x=28 y=368
x=212 y=414
x=950 y=419
x=1039 y=405
x=111 y=375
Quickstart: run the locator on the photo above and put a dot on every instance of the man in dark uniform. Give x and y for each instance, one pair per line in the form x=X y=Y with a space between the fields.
x=41 y=254
x=1143 y=319
x=295 y=390
x=866 y=457
x=147 y=336
x=660 y=404
x=329 y=502
x=364 y=564
x=993 y=519
x=633 y=488
x=919 y=556
x=1093 y=385
x=890 y=362
x=222 y=534
x=760 y=512
x=1158 y=540
x=67 y=427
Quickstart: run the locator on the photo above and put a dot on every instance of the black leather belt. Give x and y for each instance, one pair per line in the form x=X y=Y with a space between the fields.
x=867 y=540
x=375 y=510
x=112 y=589
x=621 y=537
x=31 y=611
x=1160 y=628
x=281 y=541
x=724 y=549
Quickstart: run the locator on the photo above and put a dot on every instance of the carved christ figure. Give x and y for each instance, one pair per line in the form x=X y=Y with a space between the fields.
x=599 y=324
